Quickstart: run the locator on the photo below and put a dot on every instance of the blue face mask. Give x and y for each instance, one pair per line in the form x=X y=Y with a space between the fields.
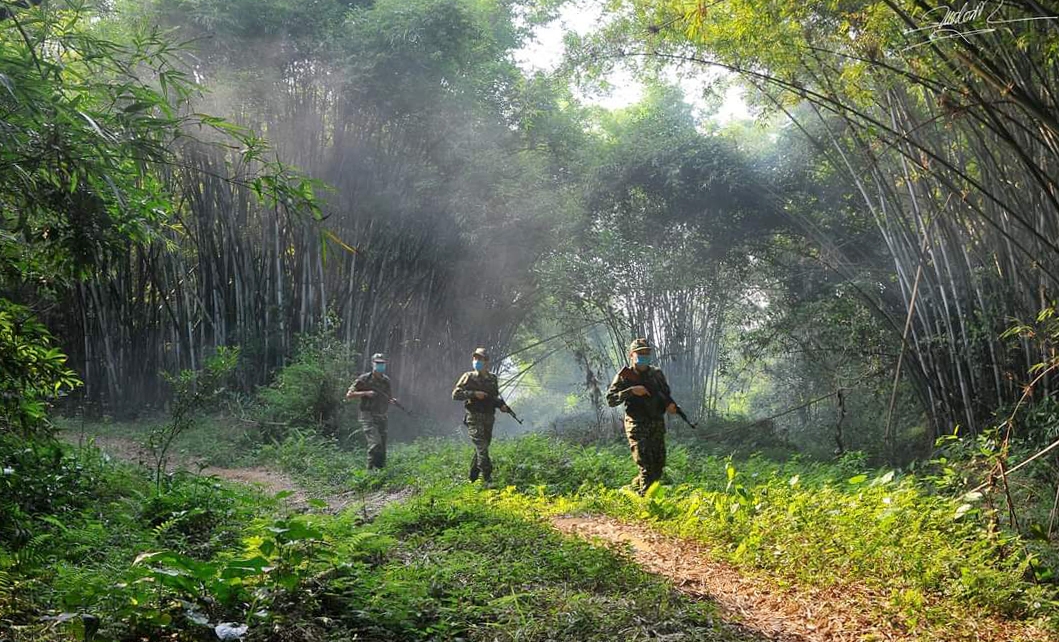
x=643 y=359
x=380 y=367
x=478 y=365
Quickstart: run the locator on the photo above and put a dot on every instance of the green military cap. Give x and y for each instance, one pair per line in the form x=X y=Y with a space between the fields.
x=378 y=357
x=480 y=352
x=640 y=344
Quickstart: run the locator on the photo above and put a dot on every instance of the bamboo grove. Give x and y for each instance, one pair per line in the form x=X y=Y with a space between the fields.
x=948 y=142
x=867 y=247
x=396 y=261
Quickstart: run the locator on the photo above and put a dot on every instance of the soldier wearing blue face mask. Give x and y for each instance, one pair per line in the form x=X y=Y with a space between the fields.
x=373 y=390
x=479 y=390
x=645 y=424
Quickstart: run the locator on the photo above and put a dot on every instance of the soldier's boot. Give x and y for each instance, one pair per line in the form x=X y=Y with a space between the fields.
x=376 y=457
x=486 y=464
x=474 y=469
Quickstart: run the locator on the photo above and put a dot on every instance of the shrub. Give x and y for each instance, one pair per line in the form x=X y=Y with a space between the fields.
x=32 y=370
x=309 y=391
x=194 y=392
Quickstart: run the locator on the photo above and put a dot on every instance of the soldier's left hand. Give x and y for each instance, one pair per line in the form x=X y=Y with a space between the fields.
x=504 y=408
x=671 y=408
x=393 y=399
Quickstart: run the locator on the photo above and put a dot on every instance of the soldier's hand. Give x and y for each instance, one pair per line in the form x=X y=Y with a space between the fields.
x=368 y=393
x=480 y=395
x=393 y=399
x=640 y=391
x=504 y=408
x=671 y=408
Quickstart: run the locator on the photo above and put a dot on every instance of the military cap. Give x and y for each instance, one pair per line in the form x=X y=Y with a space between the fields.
x=377 y=357
x=639 y=344
x=480 y=352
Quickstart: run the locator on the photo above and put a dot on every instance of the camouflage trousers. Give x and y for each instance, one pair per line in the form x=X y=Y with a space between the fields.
x=374 y=428
x=480 y=430
x=647 y=441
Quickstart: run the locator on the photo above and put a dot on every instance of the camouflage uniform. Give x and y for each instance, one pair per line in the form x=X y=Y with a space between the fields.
x=645 y=424
x=481 y=414
x=373 y=415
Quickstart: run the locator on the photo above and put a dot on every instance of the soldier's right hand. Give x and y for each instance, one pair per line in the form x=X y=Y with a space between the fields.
x=640 y=391
x=480 y=395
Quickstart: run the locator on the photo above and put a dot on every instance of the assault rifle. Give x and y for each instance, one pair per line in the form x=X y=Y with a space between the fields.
x=398 y=404
x=509 y=411
x=632 y=376
x=388 y=397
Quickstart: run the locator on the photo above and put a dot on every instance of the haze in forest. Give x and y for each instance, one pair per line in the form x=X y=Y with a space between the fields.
x=835 y=226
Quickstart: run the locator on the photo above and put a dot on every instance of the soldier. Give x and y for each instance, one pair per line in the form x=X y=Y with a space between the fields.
x=645 y=424
x=479 y=391
x=373 y=390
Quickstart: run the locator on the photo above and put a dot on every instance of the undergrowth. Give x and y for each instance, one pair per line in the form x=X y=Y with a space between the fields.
x=459 y=562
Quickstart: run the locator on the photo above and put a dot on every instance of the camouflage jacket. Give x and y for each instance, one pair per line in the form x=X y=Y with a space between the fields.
x=473 y=381
x=640 y=408
x=378 y=404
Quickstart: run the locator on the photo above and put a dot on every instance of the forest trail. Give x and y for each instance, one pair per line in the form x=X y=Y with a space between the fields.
x=265 y=479
x=768 y=611
x=750 y=608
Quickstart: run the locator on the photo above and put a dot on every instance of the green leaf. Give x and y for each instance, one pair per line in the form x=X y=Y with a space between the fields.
x=882 y=480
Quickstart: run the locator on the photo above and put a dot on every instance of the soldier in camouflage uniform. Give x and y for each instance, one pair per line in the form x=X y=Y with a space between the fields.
x=479 y=391
x=645 y=424
x=373 y=390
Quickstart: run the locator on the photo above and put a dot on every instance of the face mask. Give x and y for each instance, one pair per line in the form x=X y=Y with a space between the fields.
x=643 y=359
x=478 y=365
x=380 y=367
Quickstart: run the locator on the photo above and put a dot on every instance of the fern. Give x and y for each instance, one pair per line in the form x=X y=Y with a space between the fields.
x=162 y=529
x=33 y=553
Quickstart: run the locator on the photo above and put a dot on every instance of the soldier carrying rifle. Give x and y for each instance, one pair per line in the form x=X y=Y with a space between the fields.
x=479 y=390
x=645 y=392
x=373 y=390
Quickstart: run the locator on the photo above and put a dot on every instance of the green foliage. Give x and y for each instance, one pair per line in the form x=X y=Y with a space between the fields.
x=892 y=533
x=1036 y=420
x=32 y=370
x=40 y=481
x=167 y=590
x=309 y=392
x=44 y=491
x=455 y=561
x=89 y=125
x=194 y=392
x=468 y=567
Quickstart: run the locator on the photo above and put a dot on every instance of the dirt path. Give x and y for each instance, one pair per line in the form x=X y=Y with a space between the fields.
x=767 y=611
x=269 y=481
